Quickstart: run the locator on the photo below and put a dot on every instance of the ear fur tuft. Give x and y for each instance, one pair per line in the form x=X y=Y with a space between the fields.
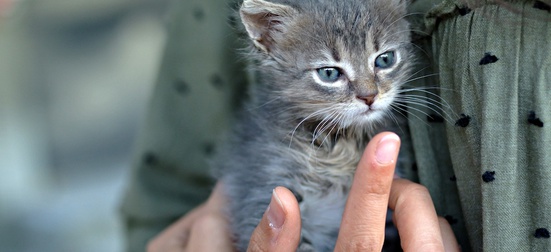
x=264 y=21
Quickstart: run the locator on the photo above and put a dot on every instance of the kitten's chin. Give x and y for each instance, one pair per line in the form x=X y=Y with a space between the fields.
x=366 y=118
x=371 y=116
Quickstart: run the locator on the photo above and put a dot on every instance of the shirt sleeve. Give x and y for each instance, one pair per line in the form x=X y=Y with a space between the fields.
x=199 y=86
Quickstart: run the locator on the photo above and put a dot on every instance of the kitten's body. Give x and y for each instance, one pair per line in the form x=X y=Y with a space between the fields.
x=303 y=128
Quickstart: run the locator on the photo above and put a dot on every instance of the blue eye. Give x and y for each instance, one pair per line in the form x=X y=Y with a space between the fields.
x=329 y=74
x=385 y=60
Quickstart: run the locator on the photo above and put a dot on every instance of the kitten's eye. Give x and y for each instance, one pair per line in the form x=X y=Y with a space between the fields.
x=385 y=60
x=329 y=74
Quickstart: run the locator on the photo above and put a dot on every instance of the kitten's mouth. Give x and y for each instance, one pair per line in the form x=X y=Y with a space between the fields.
x=369 y=110
x=371 y=113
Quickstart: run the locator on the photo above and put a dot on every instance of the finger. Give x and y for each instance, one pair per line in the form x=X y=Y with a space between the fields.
x=210 y=233
x=450 y=242
x=177 y=234
x=363 y=224
x=415 y=217
x=279 y=229
x=216 y=200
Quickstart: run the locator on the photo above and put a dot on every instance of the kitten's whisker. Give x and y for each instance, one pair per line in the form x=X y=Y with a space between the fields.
x=422 y=98
x=448 y=119
x=324 y=125
x=412 y=30
x=264 y=104
x=424 y=104
x=395 y=119
x=390 y=16
x=328 y=133
x=443 y=103
x=420 y=77
x=316 y=113
x=393 y=105
x=418 y=71
x=438 y=100
x=405 y=16
x=421 y=49
x=321 y=124
x=397 y=108
x=424 y=89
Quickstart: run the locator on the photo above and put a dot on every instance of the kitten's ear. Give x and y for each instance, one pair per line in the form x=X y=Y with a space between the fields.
x=265 y=21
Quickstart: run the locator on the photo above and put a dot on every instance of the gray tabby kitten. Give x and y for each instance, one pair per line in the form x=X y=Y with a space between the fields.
x=326 y=73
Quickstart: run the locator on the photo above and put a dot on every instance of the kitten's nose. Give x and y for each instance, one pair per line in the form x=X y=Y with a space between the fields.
x=368 y=99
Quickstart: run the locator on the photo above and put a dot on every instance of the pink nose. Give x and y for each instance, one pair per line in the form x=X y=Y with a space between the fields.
x=367 y=99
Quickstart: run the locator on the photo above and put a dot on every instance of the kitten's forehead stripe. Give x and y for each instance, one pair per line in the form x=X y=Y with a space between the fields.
x=335 y=54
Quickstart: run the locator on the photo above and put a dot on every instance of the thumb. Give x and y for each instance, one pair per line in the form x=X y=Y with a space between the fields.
x=279 y=228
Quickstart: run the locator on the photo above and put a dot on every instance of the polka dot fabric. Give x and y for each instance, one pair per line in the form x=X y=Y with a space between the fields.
x=483 y=150
x=494 y=80
x=199 y=87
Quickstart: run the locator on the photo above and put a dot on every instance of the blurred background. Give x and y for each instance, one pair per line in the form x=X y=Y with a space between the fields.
x=75 y=77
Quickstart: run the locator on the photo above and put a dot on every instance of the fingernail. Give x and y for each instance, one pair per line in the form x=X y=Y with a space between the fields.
x=387 y=149
x=275 y=212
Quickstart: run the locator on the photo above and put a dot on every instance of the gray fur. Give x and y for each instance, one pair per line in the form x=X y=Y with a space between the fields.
x=297 y=132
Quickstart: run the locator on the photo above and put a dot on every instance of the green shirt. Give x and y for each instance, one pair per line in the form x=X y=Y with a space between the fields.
x=482 y=144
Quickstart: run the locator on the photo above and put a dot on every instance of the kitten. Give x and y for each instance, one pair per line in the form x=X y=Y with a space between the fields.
x=326 y=73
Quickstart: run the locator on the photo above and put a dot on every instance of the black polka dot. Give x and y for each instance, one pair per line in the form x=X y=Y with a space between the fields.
x=216 y=81
x=452 y=220
x=488 y=59
x=542 y=6
x=150 y=159
x=464 y=121
x=542 y=233
x=453 y=178
x=464 y=10
x=198 y=14
x=434 y=118
x=208 y=149
x=489 y=176
x=232 y=20
x=414 y=167
x=181 y=87
x=532 y=119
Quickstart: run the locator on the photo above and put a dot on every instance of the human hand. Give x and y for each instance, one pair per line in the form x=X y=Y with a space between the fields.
x=4 y=7
x=363 y=226
x=190 y=231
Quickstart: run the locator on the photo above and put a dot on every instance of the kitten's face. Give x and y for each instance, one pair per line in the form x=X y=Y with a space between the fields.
x=341 y=62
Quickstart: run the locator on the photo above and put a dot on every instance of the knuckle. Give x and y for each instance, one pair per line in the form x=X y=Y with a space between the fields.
x=151 y=247
x=360 y=243
x=207 y=221
x=154 y=244
x=378 y=188
x=424 y=242
x=409 y=196
x=442 y=221
x=416 y=190
x=360 y=240
x=430 y=245
x=256 y=246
